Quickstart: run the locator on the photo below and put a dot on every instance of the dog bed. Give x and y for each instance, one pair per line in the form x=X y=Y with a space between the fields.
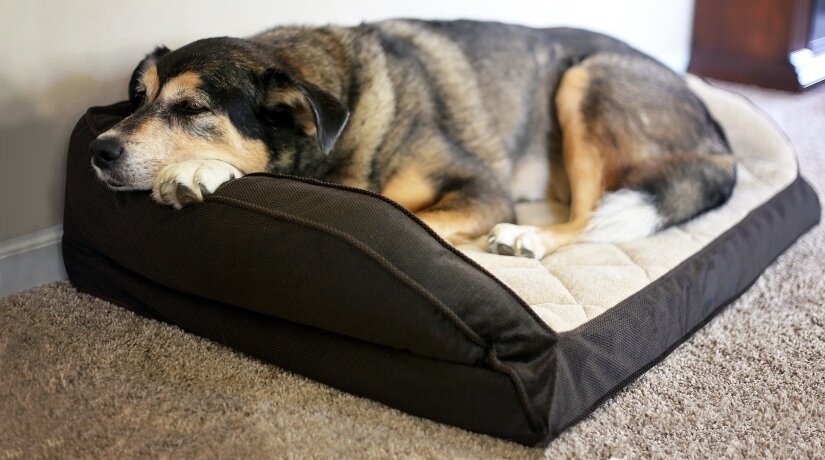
x=347 y=288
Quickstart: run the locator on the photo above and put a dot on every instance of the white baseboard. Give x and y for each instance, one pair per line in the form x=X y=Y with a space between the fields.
x=30 y=260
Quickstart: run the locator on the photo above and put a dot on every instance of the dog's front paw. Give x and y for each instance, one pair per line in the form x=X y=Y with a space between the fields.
x=516 y=240
x=190 y=181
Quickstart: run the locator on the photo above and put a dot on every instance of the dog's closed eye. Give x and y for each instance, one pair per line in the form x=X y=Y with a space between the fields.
x=190 y=108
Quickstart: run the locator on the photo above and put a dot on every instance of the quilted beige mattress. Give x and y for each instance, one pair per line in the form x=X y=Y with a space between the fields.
x=580 y=282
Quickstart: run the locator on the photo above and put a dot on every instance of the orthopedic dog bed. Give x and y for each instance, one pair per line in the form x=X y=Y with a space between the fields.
x=347 y=288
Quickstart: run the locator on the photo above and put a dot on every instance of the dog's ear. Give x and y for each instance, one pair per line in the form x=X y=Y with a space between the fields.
x=316 y=111
x=328 y=113
x=136 y=90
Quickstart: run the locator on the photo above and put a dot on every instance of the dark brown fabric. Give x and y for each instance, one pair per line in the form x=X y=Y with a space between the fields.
x=472 y=397
x=346 y=287
x=606 y=353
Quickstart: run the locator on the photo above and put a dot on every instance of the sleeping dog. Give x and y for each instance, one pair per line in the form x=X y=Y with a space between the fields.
x=455 y=121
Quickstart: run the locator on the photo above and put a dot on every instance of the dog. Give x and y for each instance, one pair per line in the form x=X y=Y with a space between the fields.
x=454 y=120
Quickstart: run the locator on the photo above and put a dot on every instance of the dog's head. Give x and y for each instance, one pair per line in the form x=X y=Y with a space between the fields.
x=219 y=98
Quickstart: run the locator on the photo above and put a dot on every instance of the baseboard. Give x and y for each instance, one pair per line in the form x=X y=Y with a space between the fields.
x=30 y=260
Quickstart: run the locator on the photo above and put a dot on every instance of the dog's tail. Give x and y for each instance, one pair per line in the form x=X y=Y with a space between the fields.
x=670 y=191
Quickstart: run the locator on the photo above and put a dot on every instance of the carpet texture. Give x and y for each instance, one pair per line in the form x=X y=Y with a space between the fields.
x=80 y=377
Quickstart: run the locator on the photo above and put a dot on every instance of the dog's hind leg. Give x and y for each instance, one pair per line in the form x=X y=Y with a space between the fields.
x=638 y=157
x=585 y=168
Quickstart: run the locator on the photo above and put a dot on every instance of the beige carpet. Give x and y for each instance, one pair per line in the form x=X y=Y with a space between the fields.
x=82 y=378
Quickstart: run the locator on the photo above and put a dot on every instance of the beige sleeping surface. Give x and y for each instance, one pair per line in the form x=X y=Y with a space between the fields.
x=579 y=282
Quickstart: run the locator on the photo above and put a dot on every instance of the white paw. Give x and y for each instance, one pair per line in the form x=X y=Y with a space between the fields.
x=189 y=181
x=516 y=240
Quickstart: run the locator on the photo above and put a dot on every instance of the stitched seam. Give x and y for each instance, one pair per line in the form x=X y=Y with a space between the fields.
x=633 y=263
x=429 y=230
x=693 y=237
x=758 y=178
x=496 y=364
x=506 y=369
x=569 y=292
x=369 y=252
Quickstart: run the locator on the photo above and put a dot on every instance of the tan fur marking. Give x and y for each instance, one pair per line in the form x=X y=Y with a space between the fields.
x=151 y=83
x=558 y=235
x=411 y=189
x=185 y=83
x=245 y=154
x=248 y=155
x=294 y=97
x=584 y=162
x=455 y=226
x=155 y=146
x=459 y=219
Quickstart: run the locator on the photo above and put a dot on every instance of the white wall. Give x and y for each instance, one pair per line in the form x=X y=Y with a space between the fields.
x=59 y=56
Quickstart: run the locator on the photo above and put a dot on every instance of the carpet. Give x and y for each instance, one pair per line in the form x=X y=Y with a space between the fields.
x=80 y=377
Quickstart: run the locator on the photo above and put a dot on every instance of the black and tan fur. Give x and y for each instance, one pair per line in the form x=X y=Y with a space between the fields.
x=453 y=120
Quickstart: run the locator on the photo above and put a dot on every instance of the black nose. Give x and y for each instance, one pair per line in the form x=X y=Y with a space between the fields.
x=105 y=151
